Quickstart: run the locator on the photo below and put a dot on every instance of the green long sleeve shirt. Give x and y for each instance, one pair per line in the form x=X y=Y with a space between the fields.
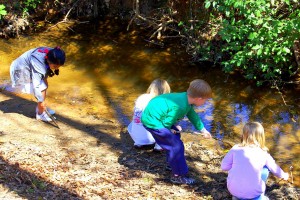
x=164 y=110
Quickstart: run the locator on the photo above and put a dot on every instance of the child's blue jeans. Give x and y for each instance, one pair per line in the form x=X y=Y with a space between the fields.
x=174 y=146
x=264 y=176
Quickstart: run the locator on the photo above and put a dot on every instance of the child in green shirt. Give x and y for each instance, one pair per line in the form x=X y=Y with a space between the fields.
x=163 y=111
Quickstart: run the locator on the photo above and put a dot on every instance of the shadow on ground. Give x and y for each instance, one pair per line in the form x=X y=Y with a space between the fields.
x=28 y=185
x=210 y=181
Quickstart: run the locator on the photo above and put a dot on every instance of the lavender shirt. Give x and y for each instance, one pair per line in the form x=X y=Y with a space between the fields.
x=244 y=166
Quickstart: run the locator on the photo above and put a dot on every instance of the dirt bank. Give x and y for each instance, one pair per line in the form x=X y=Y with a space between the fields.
x=92 y=157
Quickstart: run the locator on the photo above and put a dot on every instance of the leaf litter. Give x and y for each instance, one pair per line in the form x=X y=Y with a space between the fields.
x=93 y=158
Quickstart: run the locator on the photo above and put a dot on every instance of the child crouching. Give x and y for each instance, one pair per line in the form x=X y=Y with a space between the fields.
x=248 y=165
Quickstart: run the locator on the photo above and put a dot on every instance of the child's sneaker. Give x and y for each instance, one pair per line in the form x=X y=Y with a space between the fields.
x=157 y=148
x=168 y=168
x=44 y=117
x=144 y=147
x=182 y=180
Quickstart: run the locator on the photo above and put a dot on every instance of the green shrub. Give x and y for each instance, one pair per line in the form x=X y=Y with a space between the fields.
x=30 y=5
x=2 y=11
x=257 y=36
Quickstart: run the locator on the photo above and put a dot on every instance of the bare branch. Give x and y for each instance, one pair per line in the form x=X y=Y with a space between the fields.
x=65 y=20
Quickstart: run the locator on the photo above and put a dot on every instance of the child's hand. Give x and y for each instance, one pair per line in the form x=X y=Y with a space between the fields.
x=205 y=133
x=179 y=128
x=174 y=131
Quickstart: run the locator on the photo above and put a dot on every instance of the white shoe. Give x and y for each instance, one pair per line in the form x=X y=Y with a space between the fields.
x=44 y=117
x=50 y=111
x=157 y=147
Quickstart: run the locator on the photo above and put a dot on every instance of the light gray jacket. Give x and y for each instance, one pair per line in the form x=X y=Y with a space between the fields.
x=30 y=67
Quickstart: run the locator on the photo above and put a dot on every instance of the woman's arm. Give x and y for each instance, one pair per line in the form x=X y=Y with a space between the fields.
x=36 y=82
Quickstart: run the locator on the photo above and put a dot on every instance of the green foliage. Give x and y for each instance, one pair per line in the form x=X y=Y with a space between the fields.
x=181 y=23
x=257 y=35
x=2 y=11
x=30 y=5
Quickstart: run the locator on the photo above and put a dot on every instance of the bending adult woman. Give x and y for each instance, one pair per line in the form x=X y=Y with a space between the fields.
x=30 y=71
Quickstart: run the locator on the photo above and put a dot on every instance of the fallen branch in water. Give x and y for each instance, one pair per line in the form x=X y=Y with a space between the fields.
x=159 y=25
x=65 y=20
x=279 y=91
x=284 y=101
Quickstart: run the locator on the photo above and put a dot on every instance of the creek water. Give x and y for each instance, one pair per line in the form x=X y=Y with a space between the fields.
x=107 y=68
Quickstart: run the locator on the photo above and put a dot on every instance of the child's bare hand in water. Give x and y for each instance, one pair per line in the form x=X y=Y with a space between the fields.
x=204 y=133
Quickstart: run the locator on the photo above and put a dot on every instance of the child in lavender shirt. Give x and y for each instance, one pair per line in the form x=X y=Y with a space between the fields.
x=248 y=165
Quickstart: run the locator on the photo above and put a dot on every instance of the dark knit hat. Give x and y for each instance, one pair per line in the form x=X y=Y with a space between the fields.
x=56 y=56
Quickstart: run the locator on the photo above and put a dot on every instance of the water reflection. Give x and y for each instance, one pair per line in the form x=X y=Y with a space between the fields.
x=107 y=69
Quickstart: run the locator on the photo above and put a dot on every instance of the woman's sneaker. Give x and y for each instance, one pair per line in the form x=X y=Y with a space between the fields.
x=44 y=117
x=50 y=111
x=182 y=180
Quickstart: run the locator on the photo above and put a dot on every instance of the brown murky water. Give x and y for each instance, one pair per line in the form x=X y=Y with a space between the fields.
x=108 y=68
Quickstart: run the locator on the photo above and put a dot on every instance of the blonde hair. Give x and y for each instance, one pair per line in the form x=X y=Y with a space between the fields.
x=158 y=86
x=199 y=88
x=253 y=134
